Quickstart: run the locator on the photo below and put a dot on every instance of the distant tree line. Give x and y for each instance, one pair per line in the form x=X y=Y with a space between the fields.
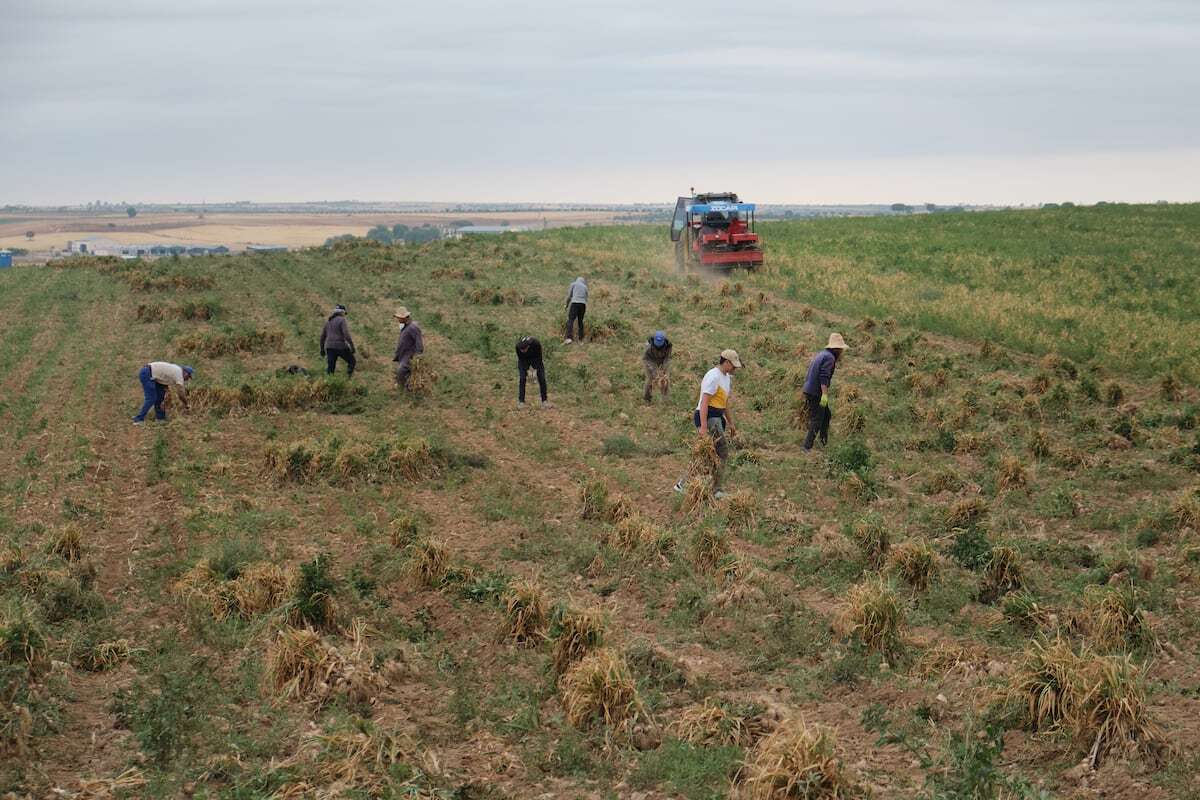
x=663 y=215
x=930 y=208
x=403 y=233
x=396 y=233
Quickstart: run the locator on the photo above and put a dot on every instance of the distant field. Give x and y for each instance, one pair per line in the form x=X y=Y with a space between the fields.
x=238 y=230
x=1117 y=285
x=987 y=587
x=1113 y=286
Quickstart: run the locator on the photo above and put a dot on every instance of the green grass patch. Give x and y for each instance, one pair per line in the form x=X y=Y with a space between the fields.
x=687 y=770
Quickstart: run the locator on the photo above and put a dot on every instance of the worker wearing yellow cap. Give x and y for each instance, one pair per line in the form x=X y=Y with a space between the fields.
x=712 y=416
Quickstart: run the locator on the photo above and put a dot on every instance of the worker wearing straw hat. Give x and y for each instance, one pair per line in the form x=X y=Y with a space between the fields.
x=712 y=417
x=411 y=344
x=816 y=390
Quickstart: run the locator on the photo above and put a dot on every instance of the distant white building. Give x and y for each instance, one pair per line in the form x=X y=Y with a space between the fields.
x=99 y=246
x=94 y=246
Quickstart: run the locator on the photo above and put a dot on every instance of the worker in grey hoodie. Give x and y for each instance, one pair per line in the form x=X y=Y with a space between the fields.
x=336 y=341
x=576 y=307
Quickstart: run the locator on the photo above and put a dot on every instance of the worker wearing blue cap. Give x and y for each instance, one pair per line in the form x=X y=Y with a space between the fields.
x=657 y=361
x=156 y=377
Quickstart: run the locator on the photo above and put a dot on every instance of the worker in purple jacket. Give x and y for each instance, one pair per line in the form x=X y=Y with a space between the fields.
x=410 y=344
x=816 y=390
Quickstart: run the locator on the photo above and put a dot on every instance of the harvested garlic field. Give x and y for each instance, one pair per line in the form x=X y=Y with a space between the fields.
x=985 y=586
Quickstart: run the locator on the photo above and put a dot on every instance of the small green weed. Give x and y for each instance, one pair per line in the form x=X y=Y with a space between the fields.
x=620 y=446
x=487 y=588
x=852 y=455
x=964 y=767
x=313 y=597
x=164 y=712
x=971 y=548
x=157 y=465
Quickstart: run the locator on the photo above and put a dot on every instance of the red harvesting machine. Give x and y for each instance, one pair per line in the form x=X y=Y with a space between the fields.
x=715 y=230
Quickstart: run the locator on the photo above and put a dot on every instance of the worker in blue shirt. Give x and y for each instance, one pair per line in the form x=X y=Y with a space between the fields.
x=816 y=390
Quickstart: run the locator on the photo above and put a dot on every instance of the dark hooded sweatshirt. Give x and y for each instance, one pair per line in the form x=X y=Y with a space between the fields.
x=531 y=358
x=336 y=334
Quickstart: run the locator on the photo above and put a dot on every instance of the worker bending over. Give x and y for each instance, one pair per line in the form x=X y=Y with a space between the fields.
x=156 y=378
x=529 y=356
x=712 y=416
x=657 y=361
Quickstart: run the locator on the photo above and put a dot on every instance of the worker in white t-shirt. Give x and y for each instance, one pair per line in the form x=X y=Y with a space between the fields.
x=712 y=416
x=156 y=378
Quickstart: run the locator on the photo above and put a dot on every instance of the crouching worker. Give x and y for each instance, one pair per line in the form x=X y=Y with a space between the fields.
x=410 y=344
x=712 y=416
x=816 y=390
x=156 y=378
x=529 y=356
x=657 y=361
x=336 y=341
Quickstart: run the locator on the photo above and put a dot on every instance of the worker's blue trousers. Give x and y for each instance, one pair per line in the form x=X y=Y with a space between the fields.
x=154 y=393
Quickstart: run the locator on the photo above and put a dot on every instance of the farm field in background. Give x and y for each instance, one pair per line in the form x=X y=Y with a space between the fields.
x=1115 y=284
x=235 y=231
x=986 y=587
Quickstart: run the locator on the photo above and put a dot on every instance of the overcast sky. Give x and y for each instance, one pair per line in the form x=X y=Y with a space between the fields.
x=559 y=101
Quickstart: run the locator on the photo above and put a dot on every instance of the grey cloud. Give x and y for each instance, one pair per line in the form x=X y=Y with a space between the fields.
x=267 y=89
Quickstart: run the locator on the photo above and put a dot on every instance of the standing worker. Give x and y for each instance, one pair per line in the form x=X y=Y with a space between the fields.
x=529 y=356
x=816 y=390
x=576 y=307
x=712 y=416
x=657 y=361
x=156 y=377
x=336 y=341
x=409 y=345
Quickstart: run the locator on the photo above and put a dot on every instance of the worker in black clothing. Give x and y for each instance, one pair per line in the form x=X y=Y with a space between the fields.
x=529 y=356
